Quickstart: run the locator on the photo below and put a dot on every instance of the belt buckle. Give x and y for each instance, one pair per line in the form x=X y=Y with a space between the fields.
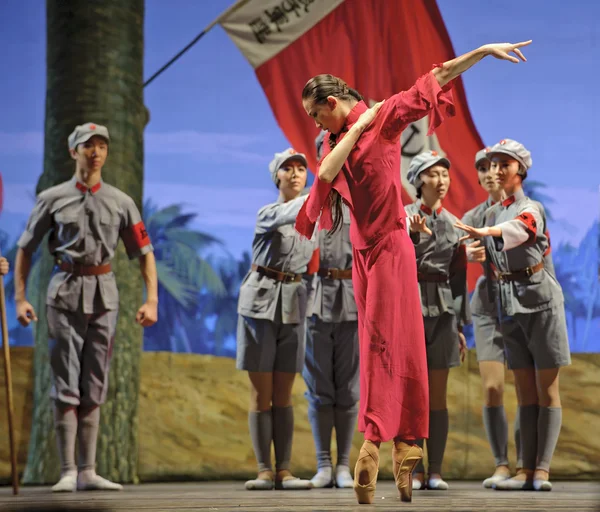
x=528 y=271
x=329 y=274
x=288 y=278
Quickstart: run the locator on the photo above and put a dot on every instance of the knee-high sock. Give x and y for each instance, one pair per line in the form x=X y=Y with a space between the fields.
x=65 y=426
x=321 y=420
x=283 y=433
x=261 y=433
x=438 y=435
x=345 y=423
x=517 y=427
x=87 y=436
x=496 y=428
x=529 y=430
x=549 y=423
x=420 y=468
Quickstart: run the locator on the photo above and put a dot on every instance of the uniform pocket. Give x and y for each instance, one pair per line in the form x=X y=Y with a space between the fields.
x=110 y=225
x=256 y=297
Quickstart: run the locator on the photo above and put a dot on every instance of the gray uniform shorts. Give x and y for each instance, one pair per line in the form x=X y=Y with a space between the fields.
x=269 y=346
x=80 y=352
x=536 y=339
x=488 y=339
x=441 y=341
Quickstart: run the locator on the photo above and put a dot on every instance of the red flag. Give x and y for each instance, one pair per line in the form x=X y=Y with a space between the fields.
x=379 y=47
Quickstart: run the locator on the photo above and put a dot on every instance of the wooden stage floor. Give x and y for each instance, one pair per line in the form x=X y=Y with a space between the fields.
x=229 y=496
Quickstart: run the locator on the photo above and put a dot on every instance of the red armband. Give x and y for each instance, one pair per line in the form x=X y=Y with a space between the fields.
x=140 y=235
x=529 y=220
x=549 y=248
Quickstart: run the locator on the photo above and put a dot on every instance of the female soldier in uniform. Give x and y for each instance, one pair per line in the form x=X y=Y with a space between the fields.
x=488 y=337
x=442 y=276
x=532 y=316
x=331 y=362
x=271 y=323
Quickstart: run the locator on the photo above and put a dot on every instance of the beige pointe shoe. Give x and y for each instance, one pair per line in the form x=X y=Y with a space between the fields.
x=405 y=457
x=366 y=469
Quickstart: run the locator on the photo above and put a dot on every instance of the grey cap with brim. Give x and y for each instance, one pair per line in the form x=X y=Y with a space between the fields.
x=281 y=158
x=421 y=163
x=513 y=149
x=85 y=132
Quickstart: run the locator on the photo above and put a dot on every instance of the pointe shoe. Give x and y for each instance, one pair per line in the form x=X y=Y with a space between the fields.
x=405 y=457
x=367 y=463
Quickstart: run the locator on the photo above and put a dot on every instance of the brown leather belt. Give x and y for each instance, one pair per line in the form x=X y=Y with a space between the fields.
x=335 y=273
x=432 y=278
x=519 y=275
x=84 y=270
x=284 y=277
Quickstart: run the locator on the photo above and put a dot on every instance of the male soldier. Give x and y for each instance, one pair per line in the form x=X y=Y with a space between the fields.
x=85 y=218
x=532 y=315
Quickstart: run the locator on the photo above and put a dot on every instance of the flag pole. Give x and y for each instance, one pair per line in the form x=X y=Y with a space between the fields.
x=216 y=21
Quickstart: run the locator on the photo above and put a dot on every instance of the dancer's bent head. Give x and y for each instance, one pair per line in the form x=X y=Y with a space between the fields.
x=328 y=100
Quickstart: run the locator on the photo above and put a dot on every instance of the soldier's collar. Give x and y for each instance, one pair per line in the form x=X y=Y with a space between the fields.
x=424 y=208
x=84 y=188
x=519 y=194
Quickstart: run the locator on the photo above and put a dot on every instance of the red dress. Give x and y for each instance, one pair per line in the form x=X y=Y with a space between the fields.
x=394 y=395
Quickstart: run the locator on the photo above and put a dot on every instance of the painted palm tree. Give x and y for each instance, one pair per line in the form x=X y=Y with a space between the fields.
x=183 y=275
x=567 y=273
x=221 y=312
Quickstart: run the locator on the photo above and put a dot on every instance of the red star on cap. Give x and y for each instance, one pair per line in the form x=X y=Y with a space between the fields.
x=487 y=150
x=502 y=142
x=92 y=127
x=434 y=153
x=292 y=151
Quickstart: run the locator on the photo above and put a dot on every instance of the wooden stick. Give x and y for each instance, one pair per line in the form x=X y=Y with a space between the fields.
x=9 y=394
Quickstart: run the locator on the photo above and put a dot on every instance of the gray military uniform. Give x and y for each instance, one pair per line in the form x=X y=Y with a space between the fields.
x=484 y=307
x=444 y=303
x=532 y=316
x=272 y=314
x=332 y=356
x=85 y=226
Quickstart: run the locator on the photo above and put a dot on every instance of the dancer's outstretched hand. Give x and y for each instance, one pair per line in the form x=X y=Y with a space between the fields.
x=503 y=51
x=417 y=225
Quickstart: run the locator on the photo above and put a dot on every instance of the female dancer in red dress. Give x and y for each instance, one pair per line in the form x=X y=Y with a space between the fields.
x=364 y=144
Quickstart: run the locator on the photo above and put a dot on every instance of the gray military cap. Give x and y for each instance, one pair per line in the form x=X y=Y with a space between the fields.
x=483 y=154
x=85 y=132
x=422 y=162
x=280 y=158
x=513 y=149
